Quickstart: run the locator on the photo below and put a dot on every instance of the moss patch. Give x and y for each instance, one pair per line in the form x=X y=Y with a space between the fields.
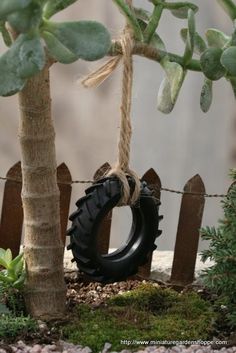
x=145 y=314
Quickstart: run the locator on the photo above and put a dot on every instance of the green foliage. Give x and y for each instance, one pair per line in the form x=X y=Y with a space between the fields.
x=12 y=279
x=25 y=58
x=52 y=7
x=66 y=42
x=26 y=19
x=206 y=95
x=221 y=277
x=11 y=327
x=87 y=40
x=171 y=85
x=146 y=313
x=13 y=274
x=211 y=64
x=9 y=6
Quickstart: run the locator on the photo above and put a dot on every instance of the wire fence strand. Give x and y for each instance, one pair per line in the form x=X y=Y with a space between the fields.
x=151 y=185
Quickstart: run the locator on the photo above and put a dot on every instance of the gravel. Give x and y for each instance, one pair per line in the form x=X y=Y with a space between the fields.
x=65 y=347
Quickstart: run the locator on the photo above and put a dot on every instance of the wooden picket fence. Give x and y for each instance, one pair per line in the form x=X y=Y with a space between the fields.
x=190 y=218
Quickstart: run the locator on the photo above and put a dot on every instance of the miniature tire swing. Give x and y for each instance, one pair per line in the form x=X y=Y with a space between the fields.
x=119 y=187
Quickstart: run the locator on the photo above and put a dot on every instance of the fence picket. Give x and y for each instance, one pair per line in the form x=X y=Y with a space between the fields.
x=154 y=184
x=12 y=212
x=186 y=245
x=105 y=228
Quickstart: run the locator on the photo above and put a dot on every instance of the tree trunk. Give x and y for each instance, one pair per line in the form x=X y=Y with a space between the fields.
x=43 y=248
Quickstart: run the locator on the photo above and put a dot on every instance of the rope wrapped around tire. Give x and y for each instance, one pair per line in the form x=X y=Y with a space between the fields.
x=101 y=198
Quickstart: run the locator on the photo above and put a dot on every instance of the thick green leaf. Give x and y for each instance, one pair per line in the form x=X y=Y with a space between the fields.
x=228 y=60
x=57 y=50
x=170 y=86
x=24 y=59
x=26 y=19
x=164 y=101
x=9 y=6
x=206 y=95
x=53 y=6
x=199 y=44
x=180 y=9
x=18 y=259
x=156 y=40
x=3 y=262
x=175 y=75
x=229 y=7
x=5 y=279
x=20 y=281
x=216 y=39
x=189 y=48
x=5 y=35
x=211 y=65
x=8 y=256
x=88 y=40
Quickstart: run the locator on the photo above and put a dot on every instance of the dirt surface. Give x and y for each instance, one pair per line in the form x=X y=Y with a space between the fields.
x=81 y=290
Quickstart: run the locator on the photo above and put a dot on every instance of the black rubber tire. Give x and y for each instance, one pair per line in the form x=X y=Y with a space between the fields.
x=101 y=198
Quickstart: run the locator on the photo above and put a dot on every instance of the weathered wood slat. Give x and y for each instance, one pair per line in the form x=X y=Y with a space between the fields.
x=105 y=228
x=64 y=183
x=12 y=212
x=186 y=245
x=154 y=184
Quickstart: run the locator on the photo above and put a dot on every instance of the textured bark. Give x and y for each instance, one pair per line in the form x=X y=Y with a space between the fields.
x=43 y=248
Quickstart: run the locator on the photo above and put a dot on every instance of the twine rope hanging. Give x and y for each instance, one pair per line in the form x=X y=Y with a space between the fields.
x=121 y=169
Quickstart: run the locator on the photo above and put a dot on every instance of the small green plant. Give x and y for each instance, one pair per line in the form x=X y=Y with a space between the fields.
x=13 y=274
x=221 y=277
x=11 y=327
x=12 y=279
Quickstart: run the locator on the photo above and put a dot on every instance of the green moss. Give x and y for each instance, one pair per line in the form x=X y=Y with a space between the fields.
x=147 y=313
x=11 y=327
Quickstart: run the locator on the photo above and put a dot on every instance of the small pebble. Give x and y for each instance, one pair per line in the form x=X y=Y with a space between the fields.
x=36 y=349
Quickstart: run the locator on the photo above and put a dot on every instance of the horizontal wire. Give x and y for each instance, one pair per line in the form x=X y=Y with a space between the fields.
x=155 y=186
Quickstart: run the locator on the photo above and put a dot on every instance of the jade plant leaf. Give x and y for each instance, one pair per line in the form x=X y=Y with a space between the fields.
x=228 y=60
x=88 y=40
x=216 y=39
x=164 y=101
x=51 y=7
x=5 y=35
x=180 y=9
x=156 y=40
x=9 y=6
x=24 y=59
x=206 y=95
x=175 y=75
x=211 y=64
x=57 y=50
x=229 y=7
x=26 y=19
x=199 y=43
x=189 y=48
x=170 y=86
